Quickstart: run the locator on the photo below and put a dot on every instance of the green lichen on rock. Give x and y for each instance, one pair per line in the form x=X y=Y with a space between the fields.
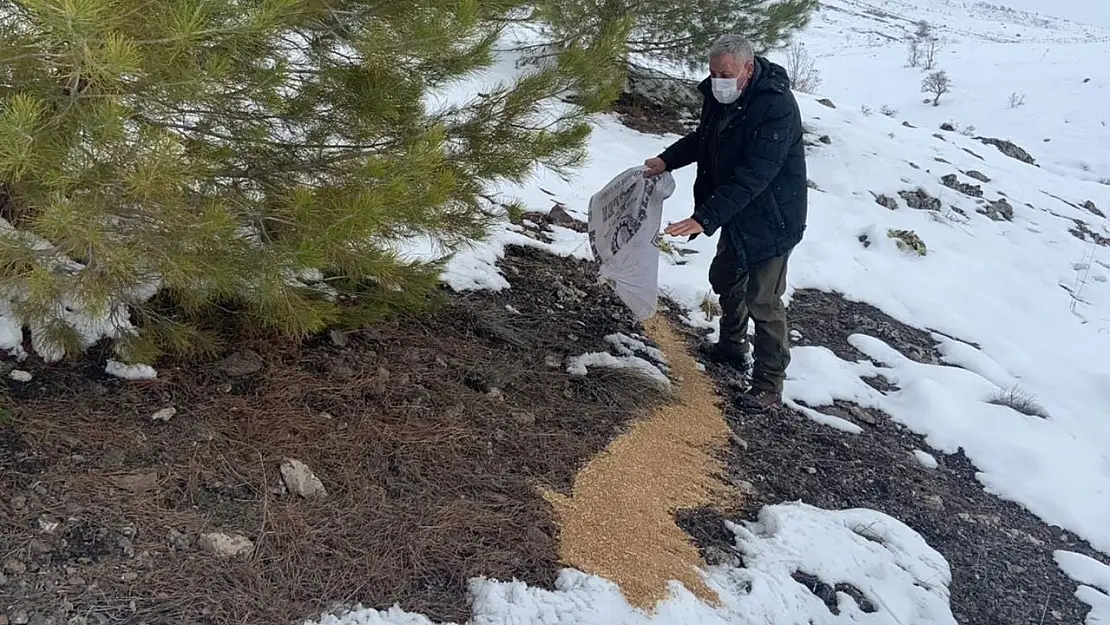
x=908 y=241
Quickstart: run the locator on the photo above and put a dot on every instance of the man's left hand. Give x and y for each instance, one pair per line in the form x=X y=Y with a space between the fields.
x=684 y=228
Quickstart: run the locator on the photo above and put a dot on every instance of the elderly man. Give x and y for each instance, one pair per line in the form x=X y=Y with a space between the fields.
x=751 y=186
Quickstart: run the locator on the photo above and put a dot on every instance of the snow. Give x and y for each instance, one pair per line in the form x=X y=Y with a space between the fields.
x=580 y=365
x=130 y=372
x=1094 y=578
x=926 y=459
x=891 y=566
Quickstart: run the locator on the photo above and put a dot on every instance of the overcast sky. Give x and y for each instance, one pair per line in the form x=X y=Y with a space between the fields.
x=1083 y=11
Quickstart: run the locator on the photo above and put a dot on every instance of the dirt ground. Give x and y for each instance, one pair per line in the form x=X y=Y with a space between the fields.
x=432 y=438
x=1000 y=554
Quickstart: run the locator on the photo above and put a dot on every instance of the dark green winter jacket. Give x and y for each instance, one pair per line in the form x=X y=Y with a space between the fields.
x=751 y=181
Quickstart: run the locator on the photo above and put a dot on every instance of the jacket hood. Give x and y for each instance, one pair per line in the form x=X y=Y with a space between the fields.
x=769 y=76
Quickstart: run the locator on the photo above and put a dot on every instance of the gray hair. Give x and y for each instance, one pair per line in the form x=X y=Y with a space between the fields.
x=739 y=47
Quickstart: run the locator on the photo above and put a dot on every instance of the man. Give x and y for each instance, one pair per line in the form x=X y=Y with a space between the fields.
x=751 y=186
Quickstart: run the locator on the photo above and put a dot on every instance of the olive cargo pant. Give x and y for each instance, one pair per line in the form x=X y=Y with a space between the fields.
x=755 y=294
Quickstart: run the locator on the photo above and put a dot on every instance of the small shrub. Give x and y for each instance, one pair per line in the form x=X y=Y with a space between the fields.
x=937 y=83
x=908 y=241
x=924 y=30
x=930 y=49
x=710 y=307
x=1017 y=400
x=888 y=110
x=913 y=53
x=866 y=110
x=968 y=131
x=1017 y=100
x=800 y=67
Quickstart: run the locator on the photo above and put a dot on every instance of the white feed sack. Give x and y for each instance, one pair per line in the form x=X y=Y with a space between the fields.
x=625 y=217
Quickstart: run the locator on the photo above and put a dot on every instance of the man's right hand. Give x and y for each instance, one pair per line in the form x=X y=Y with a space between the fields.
x=654 y=167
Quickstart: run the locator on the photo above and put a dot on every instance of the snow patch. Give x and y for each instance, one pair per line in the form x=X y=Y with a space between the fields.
x=580 y=365
x=895 y=571
x=130 y=372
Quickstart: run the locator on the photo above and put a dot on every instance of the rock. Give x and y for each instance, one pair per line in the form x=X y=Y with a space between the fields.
x=919 y=199
x=811 y=470
x=137 y=482
x=715 y=556
x=952 y=182
x=76 y=580
x=860 y=414
x=19 y=502
x=524 y=418
x=560 y=216
x=998 y=210
x=971 y=152
x=965 y=517
x=1008 y=148
x=240 y=364
x=553 y=362
x=1089 y=205
x=886 y=201
x=226 y=545
x=338 y=338
x=18 y=375
x=164 y=414
x=826 y=139
x=948 y=127
x=20 y=617
x=908 y=241
x=812 y=185
x=939 y=136
x=976 y=174
x=826 y=102
x=13 y=566
x=934 y=501
x=908 y=125
x=299 y=479
x=129 y=576
x=39 y=547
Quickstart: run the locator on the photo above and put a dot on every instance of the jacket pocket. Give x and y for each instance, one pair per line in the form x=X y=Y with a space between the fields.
x=773 y=212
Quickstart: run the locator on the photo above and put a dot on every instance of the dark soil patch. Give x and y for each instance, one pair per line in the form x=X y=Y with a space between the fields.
x=647 y=117
x=1001 y=555
x=431 y=435
x=827 y=319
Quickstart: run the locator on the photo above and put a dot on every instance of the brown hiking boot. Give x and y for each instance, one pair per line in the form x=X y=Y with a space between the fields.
x=759 y=400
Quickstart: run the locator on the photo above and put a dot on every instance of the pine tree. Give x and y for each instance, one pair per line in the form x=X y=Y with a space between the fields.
x=679 y=31
x=258 y=156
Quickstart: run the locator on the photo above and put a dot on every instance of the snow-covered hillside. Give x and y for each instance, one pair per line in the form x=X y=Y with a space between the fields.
x=1013 y=303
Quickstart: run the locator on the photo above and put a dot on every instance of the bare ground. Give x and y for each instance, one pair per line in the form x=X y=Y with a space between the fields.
x=431 y=436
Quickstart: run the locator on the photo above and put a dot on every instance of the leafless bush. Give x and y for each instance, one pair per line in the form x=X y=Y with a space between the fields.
x=930 y=49
x=924 y=30
x=804 y=76
x=888 y=110
x=1024 y=403
x=937 y=83
x=913 y=54
x=866 y=110
x=968 y=131
x=1017 y=99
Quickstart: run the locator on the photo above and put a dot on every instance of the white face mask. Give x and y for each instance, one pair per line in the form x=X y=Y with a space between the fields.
x=726 y=90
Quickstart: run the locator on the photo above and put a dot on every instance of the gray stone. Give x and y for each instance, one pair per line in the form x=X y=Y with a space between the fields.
x=239 y=364
x=953 y=182
x=20 y=617
x=998 y=210
x=1008 y=148
x=12 y=566
x=976 y=174
x=226 y=545
x=300 y=480
x=920 y=199
x=886 y=201
x=826 y=102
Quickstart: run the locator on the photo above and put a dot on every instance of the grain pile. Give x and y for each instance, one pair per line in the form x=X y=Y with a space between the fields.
x=619 y=522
